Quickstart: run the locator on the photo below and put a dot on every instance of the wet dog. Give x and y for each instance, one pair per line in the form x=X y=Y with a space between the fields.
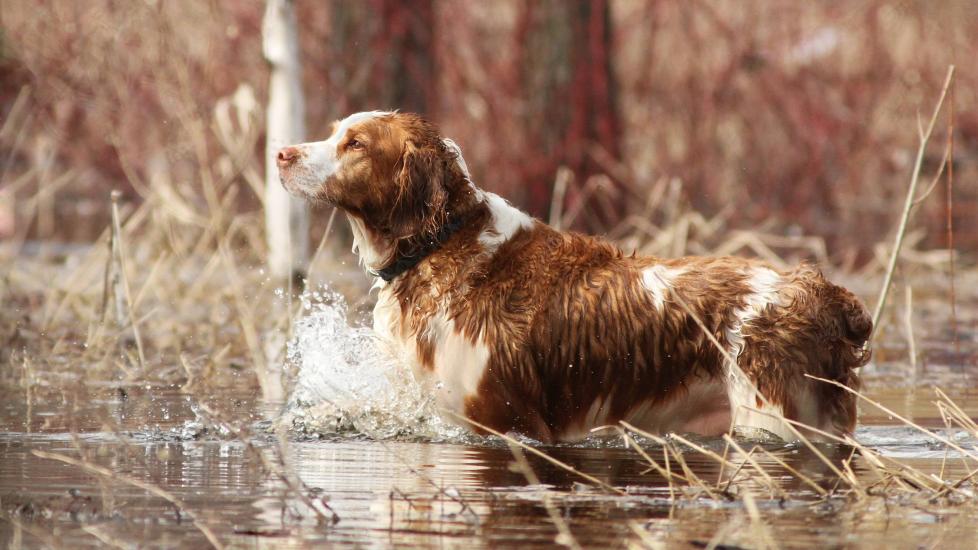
x=524 y=328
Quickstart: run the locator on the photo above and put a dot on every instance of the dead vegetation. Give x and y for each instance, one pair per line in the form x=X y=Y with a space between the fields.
x=173 y=294
x=792 y=113
x=170 y=289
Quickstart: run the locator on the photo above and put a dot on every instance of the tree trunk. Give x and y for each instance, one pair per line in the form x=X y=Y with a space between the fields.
x=394 y=65
x=570 y=93
x=286 y=217
x=407 y=76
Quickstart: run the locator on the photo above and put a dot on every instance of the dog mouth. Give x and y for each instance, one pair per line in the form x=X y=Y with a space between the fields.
x=291 y=182
x=290 y=186
x=297 y=186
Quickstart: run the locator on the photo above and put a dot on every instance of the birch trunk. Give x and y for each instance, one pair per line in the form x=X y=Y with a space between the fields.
x=286 y=217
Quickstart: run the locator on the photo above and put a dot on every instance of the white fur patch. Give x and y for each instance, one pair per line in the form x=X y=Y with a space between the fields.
x=480 y=195
x=764 y=284
x=372 y=253
x=387 y=318
x=744 y=411
x=506 y=221
x=658 y=279
x=459 y=362
x=459 y=366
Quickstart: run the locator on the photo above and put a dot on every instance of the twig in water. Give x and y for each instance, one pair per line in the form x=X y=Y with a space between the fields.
x=956 y=412
x=454 y=496
x=726 y=453
x=148 y=487
x=690 y=476
x=804 y=479
x=664 y=472
x=280 y=470
x=539 y=453
x=672 y=495
x=564 y=536
x=695 y=479
x=21 y=527
x=760 y=529
x=749 y=459
x=908 y=206
x=919 y=478
x=643 y=536
x=103 y=536
x=957 y=485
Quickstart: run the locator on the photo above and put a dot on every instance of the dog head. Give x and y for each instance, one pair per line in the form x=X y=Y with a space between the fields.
x=390 y=172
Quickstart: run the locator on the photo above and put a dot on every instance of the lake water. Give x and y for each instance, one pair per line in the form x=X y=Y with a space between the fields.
x=395 y=474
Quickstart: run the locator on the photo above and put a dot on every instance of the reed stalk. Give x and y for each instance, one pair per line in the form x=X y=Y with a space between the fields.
x=908 y=205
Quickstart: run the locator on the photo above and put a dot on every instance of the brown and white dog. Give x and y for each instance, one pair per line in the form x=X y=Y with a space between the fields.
x=524 y=328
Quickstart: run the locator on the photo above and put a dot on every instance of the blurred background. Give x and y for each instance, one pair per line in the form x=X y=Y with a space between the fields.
x=793 y=120
x=782 y=129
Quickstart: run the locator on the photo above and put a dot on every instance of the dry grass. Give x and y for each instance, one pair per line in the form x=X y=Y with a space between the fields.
x=172 y=292
x=795 y=112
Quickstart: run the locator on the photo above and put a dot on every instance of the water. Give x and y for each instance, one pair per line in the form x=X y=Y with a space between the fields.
x=362 y=434
x=347 y=380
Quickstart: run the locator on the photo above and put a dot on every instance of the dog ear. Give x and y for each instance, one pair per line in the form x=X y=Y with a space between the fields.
x=419 y=208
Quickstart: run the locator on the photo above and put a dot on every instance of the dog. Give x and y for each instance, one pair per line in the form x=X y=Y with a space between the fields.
x=523 y=328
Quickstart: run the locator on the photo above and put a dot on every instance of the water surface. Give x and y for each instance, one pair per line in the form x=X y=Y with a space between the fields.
x=394 y=474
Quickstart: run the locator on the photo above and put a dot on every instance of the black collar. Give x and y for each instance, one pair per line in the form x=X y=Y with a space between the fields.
x=433 y=243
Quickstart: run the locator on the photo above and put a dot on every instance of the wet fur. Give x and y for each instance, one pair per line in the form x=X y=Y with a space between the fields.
x=550 y=333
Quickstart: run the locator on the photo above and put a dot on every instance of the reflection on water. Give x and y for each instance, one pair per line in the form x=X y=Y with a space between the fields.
x=408 y=492
x=413 y=493
x=417 y=482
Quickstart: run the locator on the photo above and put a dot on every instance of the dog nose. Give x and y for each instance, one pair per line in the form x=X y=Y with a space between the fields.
x=287 y=156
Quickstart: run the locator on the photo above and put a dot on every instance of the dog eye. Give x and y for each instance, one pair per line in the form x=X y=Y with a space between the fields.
x=355 y=144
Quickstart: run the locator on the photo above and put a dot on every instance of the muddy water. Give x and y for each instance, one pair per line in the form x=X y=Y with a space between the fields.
x=420 y=483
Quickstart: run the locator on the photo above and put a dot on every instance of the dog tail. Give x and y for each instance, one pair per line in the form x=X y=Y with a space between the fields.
x=855 y=325
x=859 y=325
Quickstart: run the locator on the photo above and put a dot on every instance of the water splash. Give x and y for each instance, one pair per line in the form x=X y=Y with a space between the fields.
x=348 y=381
